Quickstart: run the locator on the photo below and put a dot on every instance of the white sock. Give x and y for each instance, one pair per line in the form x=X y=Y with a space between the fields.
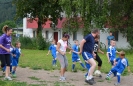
x=89 y=77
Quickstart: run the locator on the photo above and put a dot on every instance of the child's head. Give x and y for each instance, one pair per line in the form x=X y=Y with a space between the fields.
x=110 y=33
x=18 y=44
x=76 y=42
x=97 y=38
x=113 y=43
x=122 y=54
x=53 y=41
x=65 y=37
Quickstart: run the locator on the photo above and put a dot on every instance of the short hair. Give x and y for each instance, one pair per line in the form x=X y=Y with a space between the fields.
x=75 y=41
x=110 y=32
x=97 y=36
x=17 y=43
x=95 y=30
x=122 y=53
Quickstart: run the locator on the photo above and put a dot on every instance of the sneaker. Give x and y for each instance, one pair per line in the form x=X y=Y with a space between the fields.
x=117 y=84
x=62 y=79
x=91 y=81
x=107 y=78
x=100 y=76
x=14 y=75
x=8 y=78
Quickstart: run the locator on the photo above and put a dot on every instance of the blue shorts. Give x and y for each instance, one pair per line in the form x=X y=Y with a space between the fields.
x=14 y=62
x=87 y=66
x=117 y=70
x=87 y=55
x=75 y=58
x=54 y=56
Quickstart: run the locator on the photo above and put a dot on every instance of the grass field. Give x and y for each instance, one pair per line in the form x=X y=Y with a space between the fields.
x=36 y=60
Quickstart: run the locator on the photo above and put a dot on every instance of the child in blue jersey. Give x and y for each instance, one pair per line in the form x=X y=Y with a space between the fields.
x=52 y=49
x=111 y=52
x=75 y=56
x=15 y=57
x=120 y=64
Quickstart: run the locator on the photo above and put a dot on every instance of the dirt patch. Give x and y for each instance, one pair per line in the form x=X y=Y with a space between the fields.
x=51 y=78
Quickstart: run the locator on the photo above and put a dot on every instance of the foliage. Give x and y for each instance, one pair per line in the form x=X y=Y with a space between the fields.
x=38 y=9
x=9 y=23
x=33 y=43
x=92 y=14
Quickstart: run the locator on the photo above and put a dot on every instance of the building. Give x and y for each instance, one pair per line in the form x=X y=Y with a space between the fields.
x=29 y=29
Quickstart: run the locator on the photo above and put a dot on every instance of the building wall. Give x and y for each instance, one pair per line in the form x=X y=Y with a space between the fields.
x=121 y=43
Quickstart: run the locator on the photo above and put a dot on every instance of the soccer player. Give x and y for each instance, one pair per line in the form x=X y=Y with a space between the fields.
x=109 y=38
x=87 y=50
x=52 y=49
x=96 y=50
x=75 y=56
x=111 y=52
x=15 y=57
x=120 y=64
x=5 y=44
x=61 y=55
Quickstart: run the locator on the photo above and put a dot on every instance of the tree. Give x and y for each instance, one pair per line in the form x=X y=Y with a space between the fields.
x=9 y=23
x=40 y=9
x=92 y=14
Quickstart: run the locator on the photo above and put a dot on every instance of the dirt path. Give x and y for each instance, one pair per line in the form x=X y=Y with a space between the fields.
x=51 y=78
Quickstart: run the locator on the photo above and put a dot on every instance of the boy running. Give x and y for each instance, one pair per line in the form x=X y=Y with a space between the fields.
x=111 y=52
x=16 y=55
x=75 y=56
x=52 y=49
x=120 y=64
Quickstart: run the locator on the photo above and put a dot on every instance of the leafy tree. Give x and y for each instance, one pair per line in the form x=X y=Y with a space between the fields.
x=9 y=23
x=40 y=9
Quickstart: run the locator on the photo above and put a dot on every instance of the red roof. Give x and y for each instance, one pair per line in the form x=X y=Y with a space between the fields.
x=33 y=24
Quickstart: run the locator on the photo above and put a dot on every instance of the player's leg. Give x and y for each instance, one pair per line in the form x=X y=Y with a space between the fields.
x=62 y=63
x=7 y=59
x=54 y=60
x=73 y=65
x=80 y=62
x=98 y=59
x=112 y=71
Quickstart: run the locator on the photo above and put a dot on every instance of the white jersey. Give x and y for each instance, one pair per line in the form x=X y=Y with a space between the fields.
x=63 y=45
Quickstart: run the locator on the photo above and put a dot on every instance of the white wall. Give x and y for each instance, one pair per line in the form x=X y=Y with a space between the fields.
x=121 y=43
x=27 y=31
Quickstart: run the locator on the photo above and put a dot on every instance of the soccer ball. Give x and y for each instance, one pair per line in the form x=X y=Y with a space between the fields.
x=97 y=73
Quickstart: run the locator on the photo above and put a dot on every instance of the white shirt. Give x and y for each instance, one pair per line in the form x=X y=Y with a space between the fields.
x=63 y=45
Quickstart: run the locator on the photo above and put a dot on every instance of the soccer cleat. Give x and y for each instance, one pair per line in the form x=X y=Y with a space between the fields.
x=8 y=78
x=107 y=78
x=91 y=81
x=117 y=84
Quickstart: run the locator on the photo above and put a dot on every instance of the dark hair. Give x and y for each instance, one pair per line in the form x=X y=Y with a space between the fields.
x=5 y=29
x=95 y=30
x=66 y=36
x=110 y=32
x=97 y=36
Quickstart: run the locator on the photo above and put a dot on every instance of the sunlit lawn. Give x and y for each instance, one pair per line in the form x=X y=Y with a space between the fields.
x=37 y=59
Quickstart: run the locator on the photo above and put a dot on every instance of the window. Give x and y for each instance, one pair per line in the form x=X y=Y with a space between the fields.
x=74 y=35
x=46 y=34
x=116 y=34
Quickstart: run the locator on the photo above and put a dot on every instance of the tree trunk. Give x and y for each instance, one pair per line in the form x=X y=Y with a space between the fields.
x=39 y=29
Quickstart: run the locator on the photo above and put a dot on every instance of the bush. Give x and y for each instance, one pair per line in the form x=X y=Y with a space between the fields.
x=32 y=43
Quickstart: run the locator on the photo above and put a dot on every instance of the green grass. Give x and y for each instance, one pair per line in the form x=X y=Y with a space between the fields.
x=37 y=59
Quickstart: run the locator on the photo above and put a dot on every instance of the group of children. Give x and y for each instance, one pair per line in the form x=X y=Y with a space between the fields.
x=15 y=53
x=118 y=64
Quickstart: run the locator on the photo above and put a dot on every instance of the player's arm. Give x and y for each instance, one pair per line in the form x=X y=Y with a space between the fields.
x=99 y=50
x=81 y=45
x=128 y=67
x=58 y=49
x=48 y=52
x=108 y=56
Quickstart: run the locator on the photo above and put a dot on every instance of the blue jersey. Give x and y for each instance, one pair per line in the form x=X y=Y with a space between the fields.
x=117 y=59
x=112 y=53
x=89 y=44
x=75 y=48
x=52 y=48
x=109 y=38
x=121 y=65
x=16 y=52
